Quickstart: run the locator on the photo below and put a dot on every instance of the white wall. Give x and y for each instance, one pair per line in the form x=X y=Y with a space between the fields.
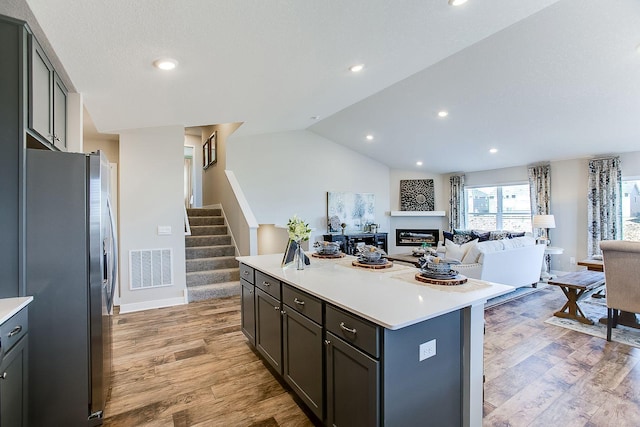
x=196 y=144
x=151 y=194
x=441 y=189
x=289 y=173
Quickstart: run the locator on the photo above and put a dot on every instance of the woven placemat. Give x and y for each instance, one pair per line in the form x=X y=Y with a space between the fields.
x=395 y=268
x=471 y=285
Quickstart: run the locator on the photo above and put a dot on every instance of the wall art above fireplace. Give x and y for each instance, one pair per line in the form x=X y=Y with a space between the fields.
x=417 y=195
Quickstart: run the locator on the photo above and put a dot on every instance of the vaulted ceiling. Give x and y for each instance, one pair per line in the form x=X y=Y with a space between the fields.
x=537 y=80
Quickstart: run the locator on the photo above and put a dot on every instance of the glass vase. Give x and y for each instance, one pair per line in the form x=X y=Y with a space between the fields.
x=298 y=258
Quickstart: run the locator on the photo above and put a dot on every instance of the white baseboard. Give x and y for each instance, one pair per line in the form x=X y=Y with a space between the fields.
x=148 y=305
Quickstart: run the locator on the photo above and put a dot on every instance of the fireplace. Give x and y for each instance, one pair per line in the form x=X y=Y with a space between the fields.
x=417 y=236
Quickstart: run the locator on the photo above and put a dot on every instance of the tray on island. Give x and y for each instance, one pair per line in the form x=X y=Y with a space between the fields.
x=378 y=264
x=458 y=279
x=328 y=256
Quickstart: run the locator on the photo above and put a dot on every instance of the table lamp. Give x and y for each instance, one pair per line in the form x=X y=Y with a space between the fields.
x=544 y=222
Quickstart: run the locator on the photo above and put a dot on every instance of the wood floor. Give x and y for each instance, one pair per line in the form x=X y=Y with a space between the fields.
x=191 y=366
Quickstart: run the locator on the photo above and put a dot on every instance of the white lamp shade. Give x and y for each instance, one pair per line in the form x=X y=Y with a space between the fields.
x=544 y=221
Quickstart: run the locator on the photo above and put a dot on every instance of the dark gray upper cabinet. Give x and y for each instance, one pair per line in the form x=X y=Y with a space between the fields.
x=47 y=99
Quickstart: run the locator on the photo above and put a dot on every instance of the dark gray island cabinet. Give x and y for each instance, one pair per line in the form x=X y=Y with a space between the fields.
x=14 y=328
x=357 y=356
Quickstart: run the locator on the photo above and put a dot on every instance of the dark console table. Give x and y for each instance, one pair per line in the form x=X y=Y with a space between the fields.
x=349 y=242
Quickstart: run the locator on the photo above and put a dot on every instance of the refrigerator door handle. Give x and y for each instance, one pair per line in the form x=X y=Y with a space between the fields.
x=114 y=256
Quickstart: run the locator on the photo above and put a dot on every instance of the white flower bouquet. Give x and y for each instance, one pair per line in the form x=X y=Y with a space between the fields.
x=299 y=231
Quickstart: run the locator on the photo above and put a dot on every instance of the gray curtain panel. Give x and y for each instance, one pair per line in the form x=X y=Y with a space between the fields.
x=457 y=209
x=604 y=203
x=540 y=191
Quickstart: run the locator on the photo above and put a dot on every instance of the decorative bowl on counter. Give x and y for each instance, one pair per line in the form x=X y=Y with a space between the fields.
x=327 y=248
x=370 y=254
x=441 y=266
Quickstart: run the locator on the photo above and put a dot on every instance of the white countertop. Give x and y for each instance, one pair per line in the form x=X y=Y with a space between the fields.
x=10 y=306
x=380 y=296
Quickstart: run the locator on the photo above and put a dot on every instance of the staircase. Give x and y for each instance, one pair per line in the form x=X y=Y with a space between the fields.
x=212 y=270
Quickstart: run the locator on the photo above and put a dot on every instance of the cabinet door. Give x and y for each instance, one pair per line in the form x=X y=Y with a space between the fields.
x=353 y=386
x=13 y=386
x=40 y=95
x=268 y=329
x=247 y=311
x=302 y=358
x=59 y=114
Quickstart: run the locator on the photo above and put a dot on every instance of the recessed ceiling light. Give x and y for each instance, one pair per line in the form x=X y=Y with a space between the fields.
x=456 y=2
x=418 y=163
x=315 y=117
x=356 y=68
x=165 y=63
x=493 y=150
x=369 y=137
x=443 y=113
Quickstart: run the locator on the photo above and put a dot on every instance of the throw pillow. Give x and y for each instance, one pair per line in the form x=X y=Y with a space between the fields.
x=482 y=236
x=462 y=236
x=456 y=251
x=499 y=235
x=514 y=234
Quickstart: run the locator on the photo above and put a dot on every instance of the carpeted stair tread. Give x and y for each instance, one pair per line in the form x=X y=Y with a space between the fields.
x=204 y=212
x=217 y=290
x=211 y=263
x=208 y=230
x=197 y=278
x=193 y=241
x=209 y=251
x=206 y=220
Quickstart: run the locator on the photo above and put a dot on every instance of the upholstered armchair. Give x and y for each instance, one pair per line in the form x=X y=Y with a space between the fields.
x=622 y=278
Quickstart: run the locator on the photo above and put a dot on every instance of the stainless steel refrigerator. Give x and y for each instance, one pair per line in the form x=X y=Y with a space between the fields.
x=71 y=265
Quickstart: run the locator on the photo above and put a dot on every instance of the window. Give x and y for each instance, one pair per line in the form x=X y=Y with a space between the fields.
x=505 y=207
x=631 y=209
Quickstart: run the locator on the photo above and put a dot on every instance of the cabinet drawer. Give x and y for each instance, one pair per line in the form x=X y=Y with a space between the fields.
x=354 y=330
x=302 y=302
x=246 y=273
x=13 y=329
x=268 y=284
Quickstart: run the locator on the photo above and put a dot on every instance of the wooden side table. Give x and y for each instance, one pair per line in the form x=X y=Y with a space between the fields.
x=576 y=287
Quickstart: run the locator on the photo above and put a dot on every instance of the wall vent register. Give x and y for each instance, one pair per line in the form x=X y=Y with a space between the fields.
x=150 y=268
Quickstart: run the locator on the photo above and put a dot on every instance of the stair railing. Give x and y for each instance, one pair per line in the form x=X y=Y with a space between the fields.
x=187 y=227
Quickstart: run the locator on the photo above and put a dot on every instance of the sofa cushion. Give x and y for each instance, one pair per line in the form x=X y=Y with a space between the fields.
x=458 y=251
x=518 y=242
x=488 y=246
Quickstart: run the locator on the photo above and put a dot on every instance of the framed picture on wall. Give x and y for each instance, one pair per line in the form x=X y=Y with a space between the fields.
x=213 y=148
x=206 y=154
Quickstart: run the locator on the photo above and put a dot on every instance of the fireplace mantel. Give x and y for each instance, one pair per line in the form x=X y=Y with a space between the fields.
x=418 y=213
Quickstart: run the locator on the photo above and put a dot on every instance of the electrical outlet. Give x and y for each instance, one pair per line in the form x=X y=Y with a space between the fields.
x=572 y=261
x=427 y=350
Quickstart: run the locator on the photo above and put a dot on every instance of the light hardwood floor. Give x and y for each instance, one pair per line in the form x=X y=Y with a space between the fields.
x=191 y=366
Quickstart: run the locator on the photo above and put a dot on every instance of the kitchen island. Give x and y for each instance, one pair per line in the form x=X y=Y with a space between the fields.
x=369 y=347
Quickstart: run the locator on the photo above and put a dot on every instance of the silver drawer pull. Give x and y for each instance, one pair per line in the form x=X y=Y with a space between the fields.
x=15 y=331
x=297 y=301
x=3 y=376
x=246 y=272
x=344 y=328
x=266 y=284
x=276 y=308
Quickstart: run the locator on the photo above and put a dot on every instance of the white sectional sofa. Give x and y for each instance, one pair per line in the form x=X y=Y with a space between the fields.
x=516 y=261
